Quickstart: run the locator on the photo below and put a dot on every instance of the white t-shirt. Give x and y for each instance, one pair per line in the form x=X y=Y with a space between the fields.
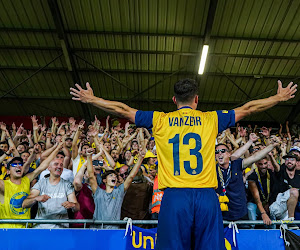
x=67 y=175
x=52 y=208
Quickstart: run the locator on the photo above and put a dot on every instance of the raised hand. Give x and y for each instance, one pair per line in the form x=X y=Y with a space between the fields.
x=60 y=145
x=242 y=131
x=92 y=131
x=10 y=150
x=253 y=137
x=43 y=128
x=142 y=153
x=81 y=124
x=287 y=93
x=90 y=151
x=29 y=134
x=33 y=119
x=266 y=131
x=19 y=131
x=83 y=95
x=73 y=127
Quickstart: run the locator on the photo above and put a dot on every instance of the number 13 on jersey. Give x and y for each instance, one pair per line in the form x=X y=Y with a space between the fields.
x=193 y=151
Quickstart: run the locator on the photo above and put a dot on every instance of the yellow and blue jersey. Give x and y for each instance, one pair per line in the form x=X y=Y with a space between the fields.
x=185 y=143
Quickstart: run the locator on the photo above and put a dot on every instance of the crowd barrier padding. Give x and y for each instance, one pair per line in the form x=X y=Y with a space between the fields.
x=69 y=239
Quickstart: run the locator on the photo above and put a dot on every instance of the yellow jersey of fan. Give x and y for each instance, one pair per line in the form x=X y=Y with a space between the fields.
x=185 y=143
x=14 y=195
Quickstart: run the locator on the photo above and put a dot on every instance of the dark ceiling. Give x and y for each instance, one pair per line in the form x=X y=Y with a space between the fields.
x=134 y=50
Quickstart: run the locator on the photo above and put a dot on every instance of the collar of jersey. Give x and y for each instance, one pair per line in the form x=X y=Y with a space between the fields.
x=185 y=107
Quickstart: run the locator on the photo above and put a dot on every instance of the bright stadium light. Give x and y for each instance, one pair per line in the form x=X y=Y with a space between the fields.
x=203 y=59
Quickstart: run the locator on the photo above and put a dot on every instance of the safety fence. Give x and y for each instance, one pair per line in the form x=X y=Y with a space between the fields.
x=131 y=238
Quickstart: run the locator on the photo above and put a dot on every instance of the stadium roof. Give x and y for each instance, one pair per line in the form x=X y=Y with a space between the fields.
x=133 y=51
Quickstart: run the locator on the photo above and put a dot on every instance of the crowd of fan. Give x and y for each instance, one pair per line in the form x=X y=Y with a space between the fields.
x=71 y=170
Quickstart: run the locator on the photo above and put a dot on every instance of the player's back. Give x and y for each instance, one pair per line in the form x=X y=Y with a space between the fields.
x=185 y=142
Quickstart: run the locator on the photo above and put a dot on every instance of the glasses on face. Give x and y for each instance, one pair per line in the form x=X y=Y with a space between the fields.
x=290 y=159
x=255 y=149
x=223 y=150
x=16 y=164
x=97 y=163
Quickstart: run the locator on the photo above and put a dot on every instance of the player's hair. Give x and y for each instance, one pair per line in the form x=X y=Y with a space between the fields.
x=222 y=144
x=185 y=90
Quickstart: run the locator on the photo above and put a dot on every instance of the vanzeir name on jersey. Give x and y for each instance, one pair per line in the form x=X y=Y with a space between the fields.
x=184 y=121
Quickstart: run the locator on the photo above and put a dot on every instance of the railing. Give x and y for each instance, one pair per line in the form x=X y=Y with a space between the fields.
x=123 y=222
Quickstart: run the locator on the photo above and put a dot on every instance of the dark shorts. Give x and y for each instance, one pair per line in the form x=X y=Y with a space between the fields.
x=190 y=218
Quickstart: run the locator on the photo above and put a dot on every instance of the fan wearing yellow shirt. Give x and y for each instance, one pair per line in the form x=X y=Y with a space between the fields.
x=190 y=215
x=14 y=190
x=115 y=156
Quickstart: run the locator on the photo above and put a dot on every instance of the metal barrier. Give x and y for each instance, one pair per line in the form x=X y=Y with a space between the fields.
x=124 y=222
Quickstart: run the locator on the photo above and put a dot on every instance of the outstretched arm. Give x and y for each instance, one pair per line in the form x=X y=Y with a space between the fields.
x=117 y=108
x=259 y=155
x=283 y=94
x=75 y=139
x=242 y=150
x=90 y=169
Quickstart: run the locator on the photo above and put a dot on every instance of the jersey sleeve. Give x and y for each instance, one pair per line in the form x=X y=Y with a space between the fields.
x=226 y=119
x=144 y=119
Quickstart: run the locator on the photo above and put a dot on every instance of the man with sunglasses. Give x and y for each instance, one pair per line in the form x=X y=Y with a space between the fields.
x=230 y=178
x=286 y=194
x=185 y=141
x=15 y=190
